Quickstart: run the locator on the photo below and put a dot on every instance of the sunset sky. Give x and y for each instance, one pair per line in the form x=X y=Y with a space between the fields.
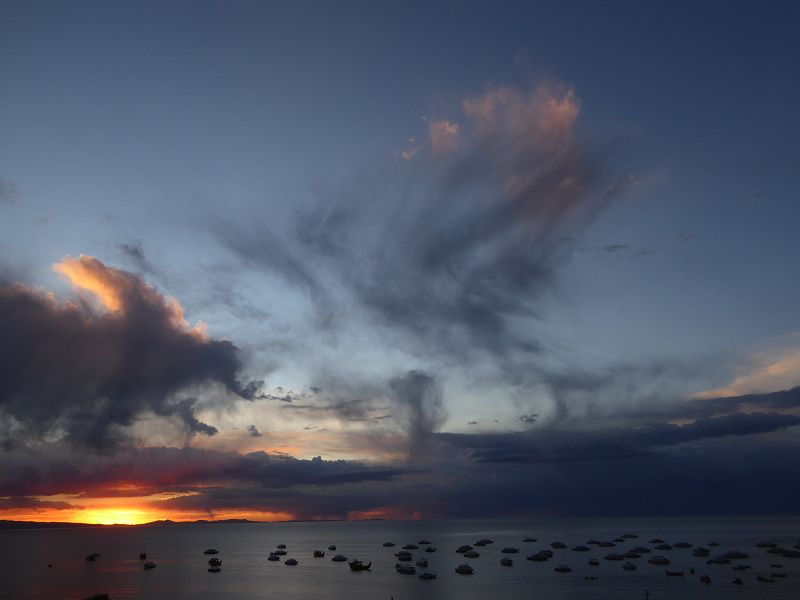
x=282 y=260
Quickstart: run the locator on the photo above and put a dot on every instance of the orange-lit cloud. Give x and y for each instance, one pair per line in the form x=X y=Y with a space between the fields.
x=443 y=136
x=545 y=116
x=770 y=373
x=113 y=288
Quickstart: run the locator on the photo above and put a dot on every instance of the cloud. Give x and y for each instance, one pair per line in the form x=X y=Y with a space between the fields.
x=443 y=136
x=8 y=193
x=765 y=373
x=134 y=252
x=88 y=368
x=577 y=445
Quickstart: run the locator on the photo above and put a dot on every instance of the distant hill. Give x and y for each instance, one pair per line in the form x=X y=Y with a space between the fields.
x=56 y=525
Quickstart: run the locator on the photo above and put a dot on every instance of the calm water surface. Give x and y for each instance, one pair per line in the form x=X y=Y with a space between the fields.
x=246 y=574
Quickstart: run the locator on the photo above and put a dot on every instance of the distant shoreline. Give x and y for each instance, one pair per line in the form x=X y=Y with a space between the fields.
x=6 y=524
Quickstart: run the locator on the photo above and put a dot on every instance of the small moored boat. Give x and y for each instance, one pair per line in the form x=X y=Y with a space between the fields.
x=357 y=565
x=464 y=570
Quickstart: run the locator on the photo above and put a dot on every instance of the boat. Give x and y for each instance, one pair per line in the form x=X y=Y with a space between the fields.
x=291 y=562
x=741 y=568
x=529 y=539
x=701 y=552
x=558 y=545
x=281 y=546
x=674 y=573
x=149 y=565
x=410 y=547
x=594 y=562
x=507 y=562
x=214 y=562
x=590 y=578
x=464 y=570
x=776 y=566
x=629 y=566
x=509 y=550
x=705 y=579
x=735 y=554
x=641 y=550
x=630 y=536
x=766 y=545
x=485 y=541
x=423 y=542
x=718 y=560
x=471 y=554
x=632 y=555
x=214 y=569
x=480 y=543
x=427 y=576
x=404 y=555
x=658 y=560
x=142 y=555
x=430 y=549
x=713 y=544
x=388 y=544
x=211 y=551
x=616 y=557
x=581 y=548
x=339 y=558
x=332 y=547
x=593 y=542
x=738 y=581
x=606 y=544
x=319 y=554
x=357 y=565
x=682 y=545
x=539 y=557
x=92 y=557
x=662 y=547
x=422 y=563
x=273 y=557
x=464 y=548
x=279 y=552
x=405 y=569
x=776 y=574
x=563 y=569
x=656 y=541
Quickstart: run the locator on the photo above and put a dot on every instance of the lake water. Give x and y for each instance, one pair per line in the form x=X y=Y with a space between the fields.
x=182 y=567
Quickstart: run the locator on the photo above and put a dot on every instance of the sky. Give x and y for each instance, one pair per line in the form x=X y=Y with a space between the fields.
x=303 y=260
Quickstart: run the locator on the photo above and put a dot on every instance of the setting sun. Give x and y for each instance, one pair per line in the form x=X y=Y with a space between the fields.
x=116 y=516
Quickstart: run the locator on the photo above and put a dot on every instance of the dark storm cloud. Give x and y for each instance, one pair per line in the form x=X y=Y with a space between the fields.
x=555 y=445
x=69 y=368
x=157 y=469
